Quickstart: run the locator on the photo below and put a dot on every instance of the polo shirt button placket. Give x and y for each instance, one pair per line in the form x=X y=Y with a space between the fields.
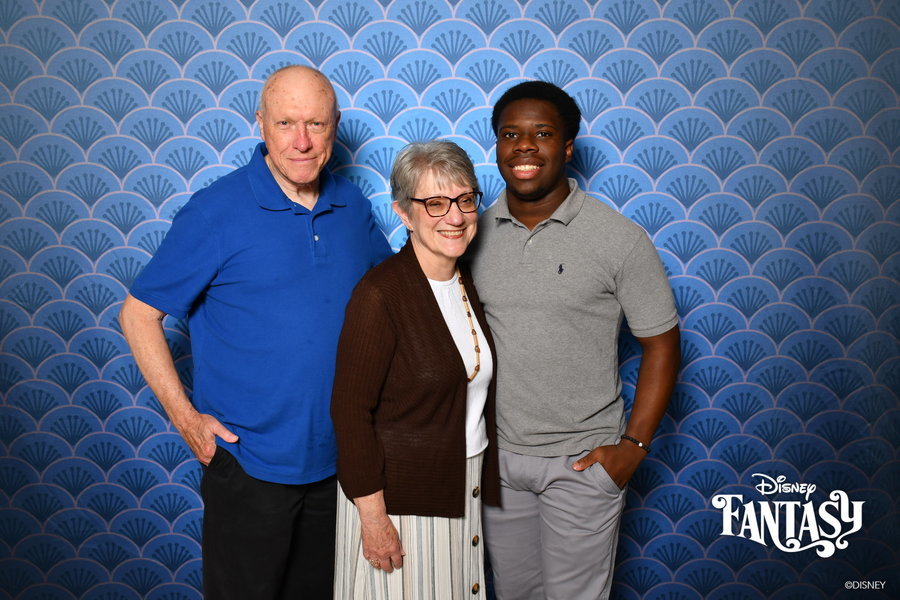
x=526 y=250
x=320 y=248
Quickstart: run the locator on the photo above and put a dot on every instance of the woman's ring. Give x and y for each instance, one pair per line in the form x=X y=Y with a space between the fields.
x=375 y=562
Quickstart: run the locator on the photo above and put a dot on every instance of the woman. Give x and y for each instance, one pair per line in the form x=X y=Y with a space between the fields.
x=413 y=402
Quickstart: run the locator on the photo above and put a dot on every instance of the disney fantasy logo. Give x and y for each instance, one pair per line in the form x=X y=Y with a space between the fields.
x=791 y=525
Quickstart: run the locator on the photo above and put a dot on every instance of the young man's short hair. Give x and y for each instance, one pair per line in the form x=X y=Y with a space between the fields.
x=541 y=90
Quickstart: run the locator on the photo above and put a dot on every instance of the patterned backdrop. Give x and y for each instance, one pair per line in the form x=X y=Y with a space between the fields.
x=755 y=140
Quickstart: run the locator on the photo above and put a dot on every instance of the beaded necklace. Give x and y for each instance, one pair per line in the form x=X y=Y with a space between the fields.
x=462 y=289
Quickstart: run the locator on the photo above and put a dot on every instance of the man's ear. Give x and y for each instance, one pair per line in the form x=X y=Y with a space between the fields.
x=570 y=148
x=259 y=123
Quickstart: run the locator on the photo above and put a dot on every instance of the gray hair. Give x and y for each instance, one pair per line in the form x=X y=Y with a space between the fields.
x=315 y=72
x=447 y=162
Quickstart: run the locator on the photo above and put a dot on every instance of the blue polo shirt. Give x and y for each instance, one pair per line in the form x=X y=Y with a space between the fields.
x=264 y=283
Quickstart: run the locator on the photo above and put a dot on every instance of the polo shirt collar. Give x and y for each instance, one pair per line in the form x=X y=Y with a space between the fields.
x=271 y=197
x=564 y=213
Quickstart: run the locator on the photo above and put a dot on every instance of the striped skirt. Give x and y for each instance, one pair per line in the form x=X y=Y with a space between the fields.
x=444 y=557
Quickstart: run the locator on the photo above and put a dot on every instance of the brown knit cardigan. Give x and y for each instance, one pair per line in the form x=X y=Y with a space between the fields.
x=399 y=400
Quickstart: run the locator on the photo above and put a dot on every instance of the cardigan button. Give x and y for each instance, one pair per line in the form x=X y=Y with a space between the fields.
x=476 y=491
x=475 y=589
x=475 y=540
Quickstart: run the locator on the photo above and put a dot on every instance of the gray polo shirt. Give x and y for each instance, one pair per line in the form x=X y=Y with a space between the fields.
x=555 y=298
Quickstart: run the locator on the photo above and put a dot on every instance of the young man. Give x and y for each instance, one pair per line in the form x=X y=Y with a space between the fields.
x=262 y=262
x=557 y=271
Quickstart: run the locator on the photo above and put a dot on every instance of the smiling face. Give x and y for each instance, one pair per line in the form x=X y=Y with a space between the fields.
x=438 y=241
x=298 y=122
x=532 y=152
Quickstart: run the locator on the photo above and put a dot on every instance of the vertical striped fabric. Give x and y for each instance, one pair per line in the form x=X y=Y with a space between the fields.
x=444 y=558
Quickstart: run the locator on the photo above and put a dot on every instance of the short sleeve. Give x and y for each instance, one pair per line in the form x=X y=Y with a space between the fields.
x=185 y=263
x=377 y=240
x=643 y=291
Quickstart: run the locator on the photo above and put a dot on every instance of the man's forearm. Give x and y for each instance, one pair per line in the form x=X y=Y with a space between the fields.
x=656 y=381
x=143 y=330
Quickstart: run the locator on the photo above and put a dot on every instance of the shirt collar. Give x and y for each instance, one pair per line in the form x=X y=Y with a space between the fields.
x=564 y=213
x=270 y=197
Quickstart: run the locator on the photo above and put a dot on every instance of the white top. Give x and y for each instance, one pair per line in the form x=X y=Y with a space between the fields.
x=449 y=298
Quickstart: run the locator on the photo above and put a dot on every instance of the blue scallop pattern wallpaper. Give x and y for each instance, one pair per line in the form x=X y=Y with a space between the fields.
x=757 y=141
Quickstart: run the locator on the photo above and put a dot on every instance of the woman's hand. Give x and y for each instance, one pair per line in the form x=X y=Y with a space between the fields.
x=380 y=540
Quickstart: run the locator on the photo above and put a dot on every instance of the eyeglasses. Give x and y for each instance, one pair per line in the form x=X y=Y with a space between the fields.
x=438 y=206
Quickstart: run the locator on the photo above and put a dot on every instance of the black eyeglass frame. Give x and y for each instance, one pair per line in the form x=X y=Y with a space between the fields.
x=478 y=196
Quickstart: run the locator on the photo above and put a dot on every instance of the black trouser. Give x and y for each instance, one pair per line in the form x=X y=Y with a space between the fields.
x=265 y=541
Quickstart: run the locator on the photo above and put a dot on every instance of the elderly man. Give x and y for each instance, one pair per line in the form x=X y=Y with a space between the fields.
x=557 y=271
x=262 y=262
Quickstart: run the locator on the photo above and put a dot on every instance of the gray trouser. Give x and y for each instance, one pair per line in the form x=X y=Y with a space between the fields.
x=555 y=536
